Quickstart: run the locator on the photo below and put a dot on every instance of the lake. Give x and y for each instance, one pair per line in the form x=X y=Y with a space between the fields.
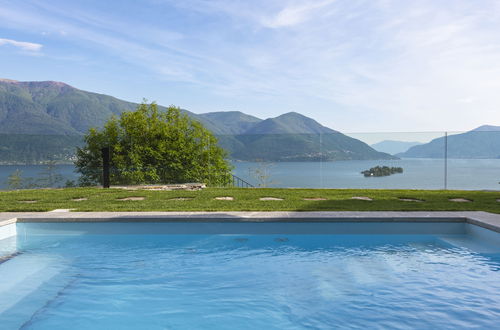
x=467 y=174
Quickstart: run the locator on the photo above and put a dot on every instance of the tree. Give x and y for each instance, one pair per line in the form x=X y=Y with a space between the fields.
x=152 y=146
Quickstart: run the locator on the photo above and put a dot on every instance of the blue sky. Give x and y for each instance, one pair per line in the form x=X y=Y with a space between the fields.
x=353 y=65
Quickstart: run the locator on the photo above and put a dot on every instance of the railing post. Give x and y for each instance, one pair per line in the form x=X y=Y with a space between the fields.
x=105 y=167
x=445 y=160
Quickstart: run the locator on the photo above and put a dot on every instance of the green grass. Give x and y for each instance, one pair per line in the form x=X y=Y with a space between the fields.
x=247 y=200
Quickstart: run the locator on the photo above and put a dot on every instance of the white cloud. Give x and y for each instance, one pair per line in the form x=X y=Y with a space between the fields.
x=397 y=65
x=295 y=14
x=23 y=45
x=466 y=100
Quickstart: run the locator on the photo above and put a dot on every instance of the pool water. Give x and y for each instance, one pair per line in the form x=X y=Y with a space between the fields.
x=62 y=280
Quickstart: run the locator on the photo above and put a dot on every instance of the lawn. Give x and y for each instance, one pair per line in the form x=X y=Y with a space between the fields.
x=97 y=199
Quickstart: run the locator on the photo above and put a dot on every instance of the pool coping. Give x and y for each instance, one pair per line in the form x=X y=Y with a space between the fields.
x=486 y=220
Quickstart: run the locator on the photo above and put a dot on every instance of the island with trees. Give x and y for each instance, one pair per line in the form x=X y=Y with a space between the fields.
x=382 y=171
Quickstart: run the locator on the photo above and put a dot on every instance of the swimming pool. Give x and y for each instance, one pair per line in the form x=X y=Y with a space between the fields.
x=234 y=275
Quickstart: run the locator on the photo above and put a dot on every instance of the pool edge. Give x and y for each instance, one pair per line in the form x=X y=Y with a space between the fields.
x=482 y=219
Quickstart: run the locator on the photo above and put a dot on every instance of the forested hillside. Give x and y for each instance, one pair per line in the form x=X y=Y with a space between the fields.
x=34 y=114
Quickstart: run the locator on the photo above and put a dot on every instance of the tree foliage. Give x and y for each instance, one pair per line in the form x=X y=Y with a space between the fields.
x=152 y=146
x=382 y=171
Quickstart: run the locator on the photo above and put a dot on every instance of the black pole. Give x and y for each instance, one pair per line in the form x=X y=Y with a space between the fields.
x=105 y=167
x=445 y=160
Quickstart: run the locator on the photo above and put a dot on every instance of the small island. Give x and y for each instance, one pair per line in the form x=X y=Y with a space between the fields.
x=382 y=171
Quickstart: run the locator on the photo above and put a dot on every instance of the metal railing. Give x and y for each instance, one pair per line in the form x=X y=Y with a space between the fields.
x=240 y=183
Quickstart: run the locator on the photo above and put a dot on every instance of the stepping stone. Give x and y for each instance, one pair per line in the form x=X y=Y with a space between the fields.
x=362 y=198
x=270 y=199
x=132 y=199
x=61 y=210
x=79 y=199
x=226 y=198
x=498 y=200
x=460 y=200
x=28 y=202
x=314 y=199
x=180 y=199
x=411 y=200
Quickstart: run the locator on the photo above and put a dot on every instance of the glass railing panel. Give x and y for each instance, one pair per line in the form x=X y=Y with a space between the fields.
x=37 y=161
x=474 y=159
x=387 y=161
x=276 y=160
x=428 y=160
x=48 y=175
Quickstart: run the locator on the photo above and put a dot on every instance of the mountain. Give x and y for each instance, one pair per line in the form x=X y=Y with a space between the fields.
x=295 y=137
x=228 y=122
x=289 y=123
x=393 y=147
x=301 y=147
x=31 y=110
x=487 y=128
x=50 y=107
x=482 y=142
x=35 y=149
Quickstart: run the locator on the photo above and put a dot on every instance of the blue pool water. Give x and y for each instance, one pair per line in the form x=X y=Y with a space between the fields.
x=75 y=276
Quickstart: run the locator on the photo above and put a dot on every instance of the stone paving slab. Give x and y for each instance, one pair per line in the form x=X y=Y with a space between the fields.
x=487 y=220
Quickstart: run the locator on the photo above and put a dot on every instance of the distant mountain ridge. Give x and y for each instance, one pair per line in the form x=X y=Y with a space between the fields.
x=228 y=122
x=481 y=142
x=394 y=147
x=49 y=107
x=289 y=123
x=487 y=128
x=55 y=108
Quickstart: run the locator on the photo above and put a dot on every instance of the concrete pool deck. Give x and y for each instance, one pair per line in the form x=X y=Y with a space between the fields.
x=483 y=219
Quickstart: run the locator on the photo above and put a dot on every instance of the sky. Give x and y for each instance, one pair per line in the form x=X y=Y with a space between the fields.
x=353 y=65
